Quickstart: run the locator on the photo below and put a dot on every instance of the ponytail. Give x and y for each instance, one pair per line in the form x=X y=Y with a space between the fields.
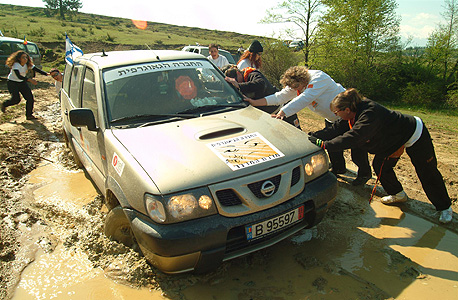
x=349 y=98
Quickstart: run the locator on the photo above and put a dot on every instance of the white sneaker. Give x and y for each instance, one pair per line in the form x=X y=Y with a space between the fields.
x=398 y=198
x=446 y=215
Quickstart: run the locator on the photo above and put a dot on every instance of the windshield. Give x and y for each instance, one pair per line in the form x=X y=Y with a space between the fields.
x=166 y=89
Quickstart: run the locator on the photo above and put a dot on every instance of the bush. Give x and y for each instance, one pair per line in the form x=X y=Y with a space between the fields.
x=422 y=94
x=276 y=59
x=452 y=97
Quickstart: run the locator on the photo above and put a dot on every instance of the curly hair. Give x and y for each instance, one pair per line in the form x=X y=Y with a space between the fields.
x=16 y=57
x=349 y=98
x=295 y=76
x=254 y=58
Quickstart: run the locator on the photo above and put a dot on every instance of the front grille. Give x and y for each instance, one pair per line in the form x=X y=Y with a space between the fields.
x=228 y=197
x=255 y=187
x=296 y=175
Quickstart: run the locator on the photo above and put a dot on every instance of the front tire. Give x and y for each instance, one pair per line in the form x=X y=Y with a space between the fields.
x=117 y=227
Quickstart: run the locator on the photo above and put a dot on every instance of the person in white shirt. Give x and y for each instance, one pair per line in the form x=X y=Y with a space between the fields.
x=219 y=60
x=315 y=89
x=20 y=62
x=251 y=57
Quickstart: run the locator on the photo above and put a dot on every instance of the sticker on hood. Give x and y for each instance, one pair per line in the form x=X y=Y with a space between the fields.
x=245 y=151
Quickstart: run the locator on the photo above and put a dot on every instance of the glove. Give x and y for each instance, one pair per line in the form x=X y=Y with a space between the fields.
x=317 y=141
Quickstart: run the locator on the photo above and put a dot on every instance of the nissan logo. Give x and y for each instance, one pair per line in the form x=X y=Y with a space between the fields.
x=268 y=188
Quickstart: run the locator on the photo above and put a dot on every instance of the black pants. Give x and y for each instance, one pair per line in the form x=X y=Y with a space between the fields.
x=423 y=158
x=358 y=156
x=20 y=87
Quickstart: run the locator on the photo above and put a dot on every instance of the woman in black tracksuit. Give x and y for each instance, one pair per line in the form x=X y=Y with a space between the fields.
x=370 y=126
x=20 y=62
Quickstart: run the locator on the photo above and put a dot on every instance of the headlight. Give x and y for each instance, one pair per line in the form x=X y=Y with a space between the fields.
x=315 y=165
x=180 y=207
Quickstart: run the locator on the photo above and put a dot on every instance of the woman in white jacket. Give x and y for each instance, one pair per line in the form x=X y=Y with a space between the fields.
x=314 y=89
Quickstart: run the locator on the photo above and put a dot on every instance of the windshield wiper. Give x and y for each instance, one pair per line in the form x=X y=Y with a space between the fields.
x=205 y=108
x=155 y=116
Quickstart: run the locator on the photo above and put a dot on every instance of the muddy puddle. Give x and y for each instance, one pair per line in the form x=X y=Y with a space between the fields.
x=359 y=251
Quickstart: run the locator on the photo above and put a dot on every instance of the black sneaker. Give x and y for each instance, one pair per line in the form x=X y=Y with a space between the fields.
x=2 y=107
x=360 y=180
x=32 y=117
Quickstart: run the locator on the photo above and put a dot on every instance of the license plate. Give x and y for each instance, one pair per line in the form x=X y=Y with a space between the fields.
x=263 y=228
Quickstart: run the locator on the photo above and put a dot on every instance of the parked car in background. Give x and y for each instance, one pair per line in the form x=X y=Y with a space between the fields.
x=10 y=45
x=297 y=45
x=205 y=52
x=189 y=171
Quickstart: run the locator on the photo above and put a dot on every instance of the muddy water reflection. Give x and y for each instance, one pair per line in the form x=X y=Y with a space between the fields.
x=360 y=251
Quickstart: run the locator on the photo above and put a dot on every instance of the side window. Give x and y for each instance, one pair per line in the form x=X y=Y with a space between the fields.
x=17 y=47
x=75 y=85
x=89 y=96
x=5 y=48
x=32 y=49
x=67 y=76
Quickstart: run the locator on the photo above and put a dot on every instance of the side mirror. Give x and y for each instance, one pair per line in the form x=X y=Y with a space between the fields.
x=80 y=117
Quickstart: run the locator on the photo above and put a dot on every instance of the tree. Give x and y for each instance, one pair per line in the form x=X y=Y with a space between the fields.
x=63 y=6
x=303 y=14
x=354 y=36
x=442 y=47
x=276 y=58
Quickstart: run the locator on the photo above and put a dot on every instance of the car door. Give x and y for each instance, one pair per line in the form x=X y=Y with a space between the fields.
x=92 y=141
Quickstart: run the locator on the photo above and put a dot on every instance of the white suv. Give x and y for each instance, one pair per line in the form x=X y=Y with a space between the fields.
x=188 y=170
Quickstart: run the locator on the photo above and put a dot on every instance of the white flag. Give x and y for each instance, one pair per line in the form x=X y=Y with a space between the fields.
x=71 y=51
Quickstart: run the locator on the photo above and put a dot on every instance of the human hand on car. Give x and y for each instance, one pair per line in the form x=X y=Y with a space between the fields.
x=280 y=115
x=317 y=141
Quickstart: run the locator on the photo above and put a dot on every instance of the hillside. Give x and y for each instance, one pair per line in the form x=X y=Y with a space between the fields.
x=95 y=32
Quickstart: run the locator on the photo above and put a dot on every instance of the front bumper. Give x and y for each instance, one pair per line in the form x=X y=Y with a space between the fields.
x=202 y=244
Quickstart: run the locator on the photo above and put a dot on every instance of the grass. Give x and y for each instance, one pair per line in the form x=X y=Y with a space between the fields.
x=38 y=25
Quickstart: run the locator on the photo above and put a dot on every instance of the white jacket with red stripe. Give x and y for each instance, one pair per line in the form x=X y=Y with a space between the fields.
x=317 y=96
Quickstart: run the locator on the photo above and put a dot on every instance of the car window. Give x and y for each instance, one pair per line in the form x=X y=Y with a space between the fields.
x=165 y=88
x=67 y=77
x=75 y=85
x=32 y=49
x=89 y=99
x=5 y=49
x=229 y=57
x=17 y=47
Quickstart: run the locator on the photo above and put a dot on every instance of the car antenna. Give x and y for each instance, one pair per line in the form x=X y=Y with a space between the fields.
x=103 y=53
x=157 y=56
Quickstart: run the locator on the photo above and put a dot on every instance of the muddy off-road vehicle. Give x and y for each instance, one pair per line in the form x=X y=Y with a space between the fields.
x=190 y=172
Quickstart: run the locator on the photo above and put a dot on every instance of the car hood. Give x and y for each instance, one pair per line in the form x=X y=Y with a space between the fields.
x=192 y=153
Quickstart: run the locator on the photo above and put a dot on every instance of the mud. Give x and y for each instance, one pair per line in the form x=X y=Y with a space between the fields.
x=52 y=243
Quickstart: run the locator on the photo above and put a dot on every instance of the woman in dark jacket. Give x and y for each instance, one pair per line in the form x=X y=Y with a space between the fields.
x=368 y=125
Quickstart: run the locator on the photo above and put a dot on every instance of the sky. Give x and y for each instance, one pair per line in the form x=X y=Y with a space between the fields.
x=419 y=17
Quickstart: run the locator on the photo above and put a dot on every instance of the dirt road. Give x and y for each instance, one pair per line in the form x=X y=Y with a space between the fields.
x=52 y=243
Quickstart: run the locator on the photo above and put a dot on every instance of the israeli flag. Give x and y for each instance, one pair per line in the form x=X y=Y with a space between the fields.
x=71 y=51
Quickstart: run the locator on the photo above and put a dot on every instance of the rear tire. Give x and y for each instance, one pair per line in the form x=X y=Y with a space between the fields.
x=117 y=227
